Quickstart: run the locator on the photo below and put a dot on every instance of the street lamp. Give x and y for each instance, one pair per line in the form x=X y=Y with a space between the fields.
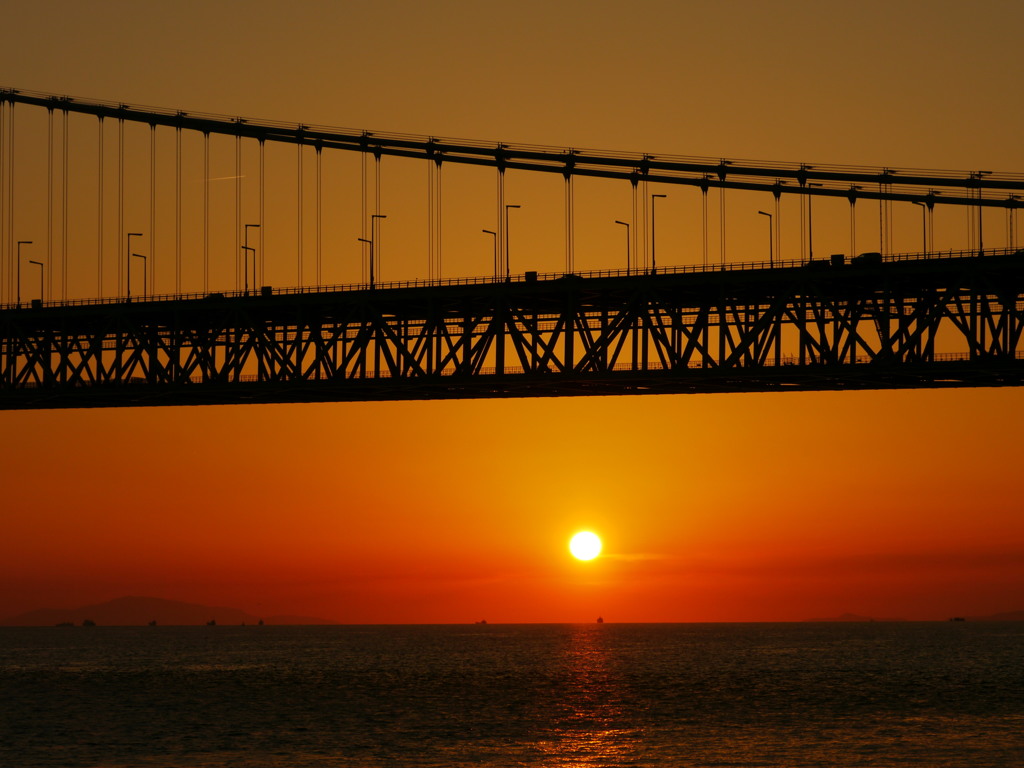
x=924 y=225
x=495 y=236
x=30 y=261
x=145 y=271
x=654 y=260
x=771 y=239
x=1011 y=215
x=981 y=232
x=246 y=264
x=370 y=243
x=626 y=225
x=810 y=221
x=130 y=236
x=373 y=236
x=508 y=271
x=246 y=250
x=20 y=243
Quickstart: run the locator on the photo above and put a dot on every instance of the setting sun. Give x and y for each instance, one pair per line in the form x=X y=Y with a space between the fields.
x=585 y=545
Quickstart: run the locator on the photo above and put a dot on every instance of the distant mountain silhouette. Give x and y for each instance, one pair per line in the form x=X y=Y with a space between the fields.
x=140 y=611
x=849 y=617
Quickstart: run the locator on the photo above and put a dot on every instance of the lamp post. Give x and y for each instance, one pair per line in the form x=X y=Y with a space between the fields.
x=246 y=264
x=20 y=243
x=771 y=239
x=508 y=270
x=373 y=228
x=810 y=221
x=981 y=232
x=494 y=235
x=130 y=236
x=246 y=250
x=30 y=261
x=654 y=260
x=370 y=243
x=626 y=225
x=924 y=225
x=1011 y=215
x=145 y=271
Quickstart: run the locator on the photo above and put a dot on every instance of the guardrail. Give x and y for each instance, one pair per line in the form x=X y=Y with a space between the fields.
x=518 y=278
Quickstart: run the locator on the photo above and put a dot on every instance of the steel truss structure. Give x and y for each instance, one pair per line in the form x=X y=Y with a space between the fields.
x=870 y=324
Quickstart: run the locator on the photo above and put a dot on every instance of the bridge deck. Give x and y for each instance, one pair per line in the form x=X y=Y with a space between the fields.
x=867 y=324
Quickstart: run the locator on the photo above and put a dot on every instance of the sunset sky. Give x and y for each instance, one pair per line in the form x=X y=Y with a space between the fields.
x=711 y=507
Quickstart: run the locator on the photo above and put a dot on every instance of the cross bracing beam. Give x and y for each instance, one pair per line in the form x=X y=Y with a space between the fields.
x=864 y=325
x=930 y=187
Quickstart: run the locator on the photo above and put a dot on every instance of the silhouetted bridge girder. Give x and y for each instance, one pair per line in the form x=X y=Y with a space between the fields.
x=871 y=324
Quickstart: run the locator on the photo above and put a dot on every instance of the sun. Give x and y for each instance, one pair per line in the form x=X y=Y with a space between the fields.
x=585 y=545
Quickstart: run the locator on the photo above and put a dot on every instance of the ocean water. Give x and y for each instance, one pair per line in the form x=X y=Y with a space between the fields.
x=880 y=694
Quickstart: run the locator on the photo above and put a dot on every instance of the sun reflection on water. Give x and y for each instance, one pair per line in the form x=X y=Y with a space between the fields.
x=593 y=723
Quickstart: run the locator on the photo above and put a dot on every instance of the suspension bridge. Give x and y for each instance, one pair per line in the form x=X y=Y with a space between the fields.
x=96 y=196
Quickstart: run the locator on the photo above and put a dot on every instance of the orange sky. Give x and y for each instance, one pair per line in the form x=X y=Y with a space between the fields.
x=713 y=507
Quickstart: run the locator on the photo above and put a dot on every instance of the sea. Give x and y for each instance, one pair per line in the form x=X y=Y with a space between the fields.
x=497 y=696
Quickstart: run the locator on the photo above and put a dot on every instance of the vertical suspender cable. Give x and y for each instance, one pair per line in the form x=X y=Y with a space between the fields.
x=931 y=228
x=430 y=220
x=49 y=201
x=152 y=209
x=5 y=214
x=11 y=255
x=721 y=220
x=363 y=215
x=636 y=212
x=99 y=214
x=888 y=221
x=3 y=200
x=777 y=229
x=439 y=209
x=882 y=222
x=644 y=200
x=376 y=209
x=853 y=225
x=177 y=209
x=239 y=256
x=206 y=212
x=120 y=205
x=981 y=222
x=434 y=217
x=319 y=199
x=970 y=225
x=262 y=280
x=569 y=225
x=805 y=245
x=704 y=211
x=298 y=228
x=11 y=187
x=64 y=211
x=501 y=223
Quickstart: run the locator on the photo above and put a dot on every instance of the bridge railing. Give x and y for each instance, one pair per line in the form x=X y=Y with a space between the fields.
x=738 y=266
